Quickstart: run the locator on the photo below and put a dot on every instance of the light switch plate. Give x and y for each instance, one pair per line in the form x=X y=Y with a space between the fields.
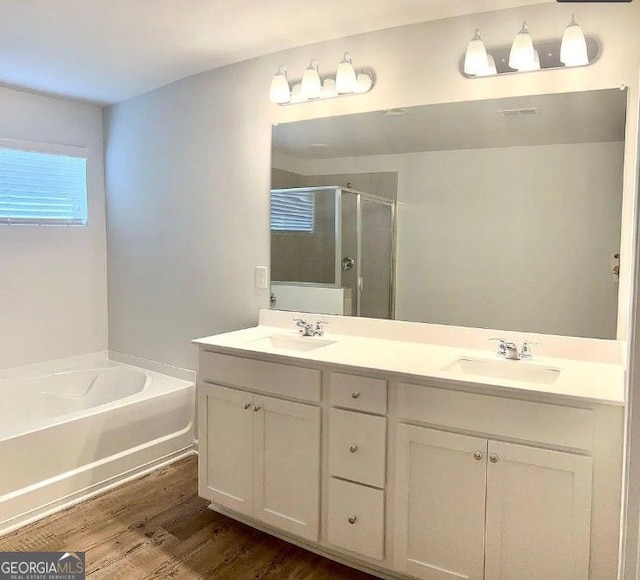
x=262 y=277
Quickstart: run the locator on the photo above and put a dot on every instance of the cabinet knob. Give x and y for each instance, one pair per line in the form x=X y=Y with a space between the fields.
x=246 y=405
x=256 y=408
x=352 y=519
x=353 y=448
x=355 y=394
x=493 y=458
x=477 y=456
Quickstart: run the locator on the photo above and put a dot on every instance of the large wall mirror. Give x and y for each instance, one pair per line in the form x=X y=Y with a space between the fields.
x=502 y=213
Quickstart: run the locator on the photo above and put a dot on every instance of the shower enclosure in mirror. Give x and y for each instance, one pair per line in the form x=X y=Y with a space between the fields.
x=332 y=251
x=508 y=211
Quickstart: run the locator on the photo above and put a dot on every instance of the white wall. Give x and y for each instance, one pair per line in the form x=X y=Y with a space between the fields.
x=189 y=164
x=516 y=238
x=53 y=293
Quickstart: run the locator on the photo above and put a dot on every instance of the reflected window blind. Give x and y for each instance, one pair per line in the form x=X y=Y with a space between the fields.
x=292 y=212
x=42 y=188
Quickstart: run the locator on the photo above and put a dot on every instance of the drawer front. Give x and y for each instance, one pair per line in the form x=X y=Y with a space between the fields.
x=357 y=447
x=356 y=518
x=359 y=393
x=262 y=376
x=525 y=420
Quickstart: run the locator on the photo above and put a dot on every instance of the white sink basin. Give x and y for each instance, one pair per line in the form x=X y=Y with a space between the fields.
x=296 y=343
x=515 y=370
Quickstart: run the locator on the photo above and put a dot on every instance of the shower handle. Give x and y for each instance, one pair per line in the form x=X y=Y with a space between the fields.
x=347 y=263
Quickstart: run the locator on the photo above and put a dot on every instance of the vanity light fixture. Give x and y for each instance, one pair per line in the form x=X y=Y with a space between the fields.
x=475 y=59
x=522 y=55
x=346 y=82
x=311 y=85
x=575 y=49
x=280 y=92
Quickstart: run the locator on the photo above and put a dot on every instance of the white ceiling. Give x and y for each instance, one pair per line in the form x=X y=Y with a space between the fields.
x=585 y=117
x=110 y=50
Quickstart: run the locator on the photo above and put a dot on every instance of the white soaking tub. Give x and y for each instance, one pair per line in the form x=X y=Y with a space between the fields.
x=82 y=427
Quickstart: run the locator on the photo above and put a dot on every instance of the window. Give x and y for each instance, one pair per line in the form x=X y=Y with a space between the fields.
x=292 y=211
x=42 y=184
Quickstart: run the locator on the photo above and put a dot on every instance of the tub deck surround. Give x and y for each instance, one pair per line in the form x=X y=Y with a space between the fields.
x=593 y=371
x=71 y=428
x=324 y=441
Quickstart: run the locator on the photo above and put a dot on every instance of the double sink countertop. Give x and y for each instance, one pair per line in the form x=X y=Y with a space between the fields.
x=545 y=377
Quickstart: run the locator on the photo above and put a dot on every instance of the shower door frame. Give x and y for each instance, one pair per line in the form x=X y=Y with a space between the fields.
x=360 y=195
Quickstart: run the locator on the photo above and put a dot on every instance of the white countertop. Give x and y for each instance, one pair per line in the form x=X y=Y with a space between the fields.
x=592 y=382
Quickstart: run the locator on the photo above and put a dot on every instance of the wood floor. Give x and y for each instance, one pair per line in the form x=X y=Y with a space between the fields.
x=158 y=527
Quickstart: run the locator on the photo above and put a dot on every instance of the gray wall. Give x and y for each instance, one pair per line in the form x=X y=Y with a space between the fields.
x=189 y=166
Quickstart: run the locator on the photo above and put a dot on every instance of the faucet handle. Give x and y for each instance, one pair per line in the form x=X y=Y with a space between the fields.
x=300 y=323
x=319 y=329
x=502 y=346
x=526 y=351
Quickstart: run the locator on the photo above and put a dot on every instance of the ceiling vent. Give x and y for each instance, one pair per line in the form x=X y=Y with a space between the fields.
x=511 y=113
x=394 y=112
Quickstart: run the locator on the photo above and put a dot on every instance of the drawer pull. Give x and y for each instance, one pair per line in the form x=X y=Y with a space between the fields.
x=246 y=405
x=256 y=408
x=493 y=458
x=352 y=519
x=477 y=456
x=353 y=448
x=355 y=394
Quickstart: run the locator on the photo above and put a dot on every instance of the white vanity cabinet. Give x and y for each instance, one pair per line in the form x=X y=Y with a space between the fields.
x=468 y=507
x=409 y=477
x=260 y=455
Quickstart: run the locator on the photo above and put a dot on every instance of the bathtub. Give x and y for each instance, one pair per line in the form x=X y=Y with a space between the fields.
x=82 y=427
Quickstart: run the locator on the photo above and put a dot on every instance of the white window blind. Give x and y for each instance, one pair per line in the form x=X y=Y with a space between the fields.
x=292 y=212
x=42 y=187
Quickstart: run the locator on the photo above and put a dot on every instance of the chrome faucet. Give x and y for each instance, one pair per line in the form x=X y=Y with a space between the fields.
x=509 y=350
x=307 y=329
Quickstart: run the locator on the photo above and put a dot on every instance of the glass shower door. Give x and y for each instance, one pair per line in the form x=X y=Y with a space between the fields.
x=376 y=259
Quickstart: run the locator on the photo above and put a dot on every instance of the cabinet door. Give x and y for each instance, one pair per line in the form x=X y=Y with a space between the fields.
x=538 y=514
x=225 y=442
x=287 y=466
x=440 y=504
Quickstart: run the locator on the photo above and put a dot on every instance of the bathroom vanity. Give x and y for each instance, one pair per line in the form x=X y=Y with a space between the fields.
x=413 y=450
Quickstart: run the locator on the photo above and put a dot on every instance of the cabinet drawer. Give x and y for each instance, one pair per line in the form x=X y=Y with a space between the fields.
x=357 y=447
x=497 y=416
x=356 y=518
x=359 y=393
x=262 y=376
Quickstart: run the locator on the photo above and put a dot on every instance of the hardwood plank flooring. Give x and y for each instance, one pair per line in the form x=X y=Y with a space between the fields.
x=158 y=527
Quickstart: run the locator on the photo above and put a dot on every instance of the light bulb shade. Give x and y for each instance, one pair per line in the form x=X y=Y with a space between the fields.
x=346 y=80
x=573 y=51
x=522 y=55
x=329 y=89
x=475 y=59
x=296 y=94
x=311 y=85
x=280 y=92
x=490 y=68
x=365 y=82
x=535 y=65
